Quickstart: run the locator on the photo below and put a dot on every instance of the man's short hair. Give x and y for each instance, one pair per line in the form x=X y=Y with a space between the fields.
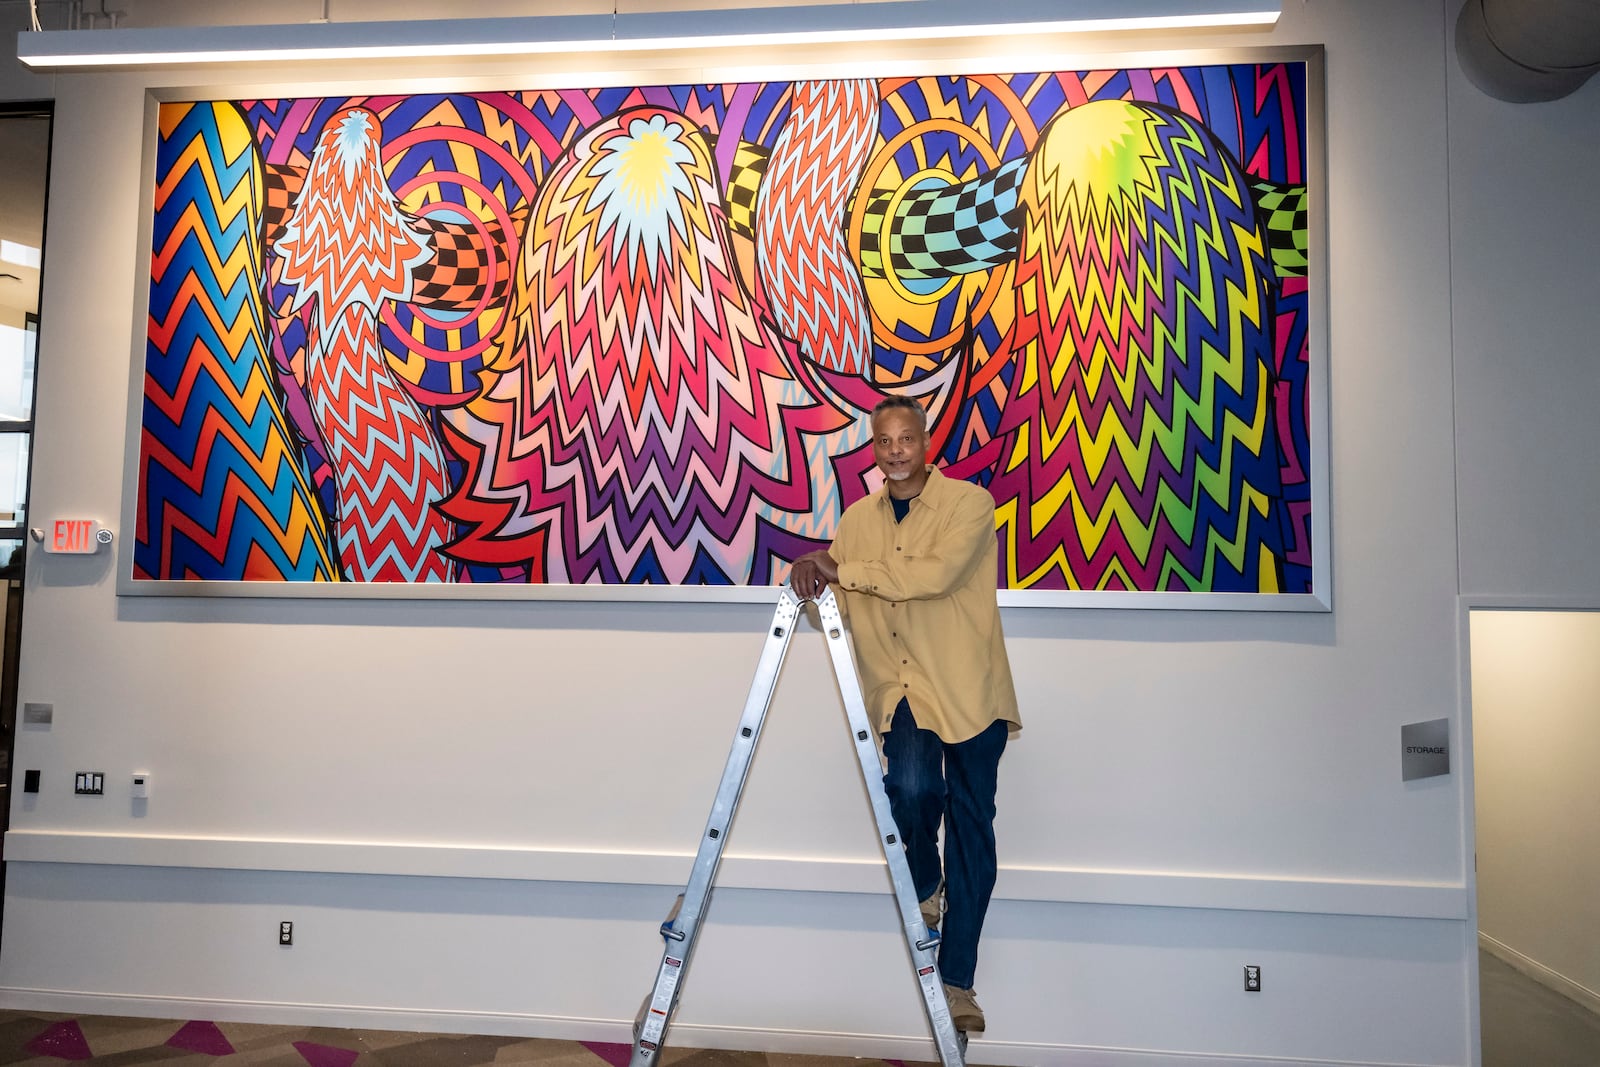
x=891 y=403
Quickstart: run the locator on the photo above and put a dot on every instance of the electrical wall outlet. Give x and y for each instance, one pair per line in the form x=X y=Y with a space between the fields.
x=286 y=933
x=1252 y=978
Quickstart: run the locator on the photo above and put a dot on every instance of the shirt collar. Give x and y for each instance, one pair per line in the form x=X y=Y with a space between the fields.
x=933 y=490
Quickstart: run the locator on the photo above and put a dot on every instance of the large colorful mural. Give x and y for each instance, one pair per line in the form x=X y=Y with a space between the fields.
x=632 y=335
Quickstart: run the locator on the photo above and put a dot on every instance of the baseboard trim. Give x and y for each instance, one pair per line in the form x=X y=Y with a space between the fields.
x=560 y=1028
x=1545 y=976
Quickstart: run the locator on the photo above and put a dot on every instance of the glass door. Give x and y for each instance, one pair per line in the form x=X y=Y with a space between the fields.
x=24 y=171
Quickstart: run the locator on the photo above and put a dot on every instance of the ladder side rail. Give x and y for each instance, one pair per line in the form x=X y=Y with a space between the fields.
x=682 y=932
x=919 y=942
x=740 y=754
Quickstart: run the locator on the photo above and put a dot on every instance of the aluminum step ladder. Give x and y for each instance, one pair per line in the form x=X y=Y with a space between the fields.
x=682 y=927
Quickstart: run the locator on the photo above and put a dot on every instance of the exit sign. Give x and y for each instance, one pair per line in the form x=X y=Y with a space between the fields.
x=75 y=537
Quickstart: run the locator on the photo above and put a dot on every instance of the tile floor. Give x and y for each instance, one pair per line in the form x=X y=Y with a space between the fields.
x=1524 y=1025
x=1528 y=1025
x=37 y=1040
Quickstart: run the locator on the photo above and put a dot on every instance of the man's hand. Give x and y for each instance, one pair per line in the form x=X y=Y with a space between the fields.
x=811 y=574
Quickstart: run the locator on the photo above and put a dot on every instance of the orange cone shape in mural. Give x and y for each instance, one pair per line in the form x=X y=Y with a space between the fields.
x=346 y=249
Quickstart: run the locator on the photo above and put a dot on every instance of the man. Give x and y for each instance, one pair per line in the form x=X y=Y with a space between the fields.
x=916 y=563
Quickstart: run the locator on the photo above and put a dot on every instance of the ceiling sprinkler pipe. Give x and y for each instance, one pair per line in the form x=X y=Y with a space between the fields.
x=1525 y=51
x=70 y=20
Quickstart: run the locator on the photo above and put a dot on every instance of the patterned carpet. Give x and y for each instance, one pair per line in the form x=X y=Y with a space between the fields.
x=38 y=1040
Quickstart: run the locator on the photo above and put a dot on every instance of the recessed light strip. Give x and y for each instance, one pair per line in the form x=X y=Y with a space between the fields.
x=506 y=37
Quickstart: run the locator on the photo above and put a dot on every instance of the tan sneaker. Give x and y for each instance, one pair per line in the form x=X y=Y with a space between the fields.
x=933 y=908
x=964 y=1010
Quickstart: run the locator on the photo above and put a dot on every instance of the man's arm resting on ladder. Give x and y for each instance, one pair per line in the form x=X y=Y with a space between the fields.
x=812 y=573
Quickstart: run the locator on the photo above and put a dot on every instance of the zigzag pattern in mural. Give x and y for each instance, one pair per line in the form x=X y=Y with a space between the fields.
x=1143 y=455
x=224 y=491
x=630 y=330
x=811 y=286
x=345 y=250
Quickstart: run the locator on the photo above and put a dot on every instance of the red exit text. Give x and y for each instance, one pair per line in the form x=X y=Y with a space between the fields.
x=72 y=535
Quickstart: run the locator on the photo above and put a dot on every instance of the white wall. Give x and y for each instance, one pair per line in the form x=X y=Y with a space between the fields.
x=1525 y=324
x=476 y=817
x=1535 y=686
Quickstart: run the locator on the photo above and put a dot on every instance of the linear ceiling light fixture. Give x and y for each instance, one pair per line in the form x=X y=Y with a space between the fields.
x=890 y=20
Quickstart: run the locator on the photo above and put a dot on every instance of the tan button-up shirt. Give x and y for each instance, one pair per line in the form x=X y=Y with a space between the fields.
x=920 y=599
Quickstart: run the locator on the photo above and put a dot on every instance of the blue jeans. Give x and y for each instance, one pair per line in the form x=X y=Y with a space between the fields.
x=929 y=780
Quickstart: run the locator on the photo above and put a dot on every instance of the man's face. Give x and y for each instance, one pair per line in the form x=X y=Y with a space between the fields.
x=899 y=444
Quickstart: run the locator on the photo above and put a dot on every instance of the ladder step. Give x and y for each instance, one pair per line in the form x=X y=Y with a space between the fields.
x=669 y=929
